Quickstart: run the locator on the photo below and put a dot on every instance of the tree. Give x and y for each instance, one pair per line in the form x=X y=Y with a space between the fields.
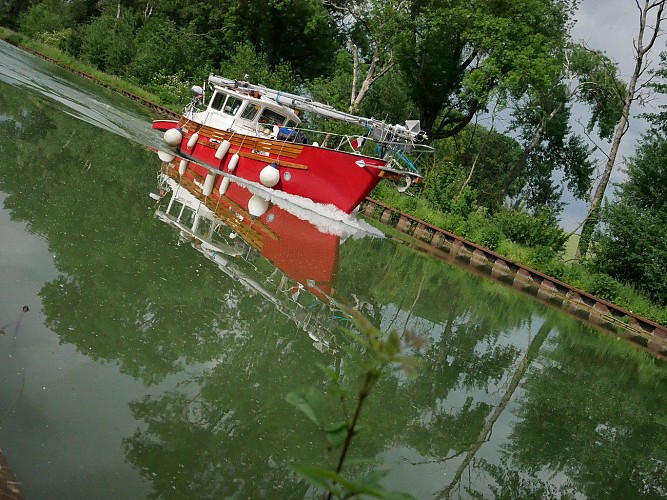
x=651 y=15
x=44 y=17
x=478 y=159
x=10 y=10
x=298 y=32
x=183 y=52
x=369 y=28
x=632 y=247
x=109 y=43
x=542 y=119
x=457 y=56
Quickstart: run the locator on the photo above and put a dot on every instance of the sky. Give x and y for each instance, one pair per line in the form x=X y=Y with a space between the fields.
x=611 y=26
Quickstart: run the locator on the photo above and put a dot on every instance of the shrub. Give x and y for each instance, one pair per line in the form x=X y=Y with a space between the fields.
x=604 y=286
x=171 y=89
x=45 y=17
x=532 y=230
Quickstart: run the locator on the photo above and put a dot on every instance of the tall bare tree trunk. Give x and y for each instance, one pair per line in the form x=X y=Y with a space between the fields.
x=115 y=25
x=374 y=73
x=641 y=50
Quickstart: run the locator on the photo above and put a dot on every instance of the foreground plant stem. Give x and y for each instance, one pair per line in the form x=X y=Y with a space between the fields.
x=363 y=394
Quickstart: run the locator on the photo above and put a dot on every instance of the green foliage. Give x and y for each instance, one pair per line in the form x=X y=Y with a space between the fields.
x=12 y=37
x=604 y=286
x=10 y=12
x=372 y=353
x=45 y=17
x=248 y=64
x=108 y=43
x=632 y=245
x=163 y=47
x=459 y=55
x=599 y=88
x=60 y=39
x=298 y=32
x=473 y=168
x=539 y=230
x=334 y=89
x=172 y=89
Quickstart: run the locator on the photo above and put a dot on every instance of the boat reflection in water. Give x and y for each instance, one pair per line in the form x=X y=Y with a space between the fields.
x=286 y=252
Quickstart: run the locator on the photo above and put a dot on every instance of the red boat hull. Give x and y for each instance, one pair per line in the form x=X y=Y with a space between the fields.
x=323 y=175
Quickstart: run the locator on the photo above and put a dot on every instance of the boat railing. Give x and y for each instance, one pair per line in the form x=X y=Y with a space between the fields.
x=355 y=143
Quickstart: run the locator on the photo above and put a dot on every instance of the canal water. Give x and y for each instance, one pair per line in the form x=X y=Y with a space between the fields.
x=147 y=367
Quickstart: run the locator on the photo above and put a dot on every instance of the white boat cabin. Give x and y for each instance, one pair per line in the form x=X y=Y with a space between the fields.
x=240 y=111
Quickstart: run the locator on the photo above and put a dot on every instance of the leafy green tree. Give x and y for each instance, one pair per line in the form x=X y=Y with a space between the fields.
x=476 y=159
x=300 y=32
x=632 y=245
x=10 y=11
x=369 y=28
x=47 y=16
x=247 y=63
x=108 y=43
x=542 y=120
x=459 y=55
x=163 y=47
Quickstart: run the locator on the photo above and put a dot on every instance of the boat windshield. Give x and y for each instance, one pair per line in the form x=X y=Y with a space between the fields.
x=227 y=104
x=270 y=117
x=250 y=111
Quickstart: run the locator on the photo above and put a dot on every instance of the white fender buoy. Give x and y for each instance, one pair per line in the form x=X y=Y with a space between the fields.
x=183 y=166
x=165 y=156
x=257 y=206
x=222 y=149
x=224 y=184
x=270 y=175
x=209 y=182
x=193 y=140
x=316 y=144
x=233 y=161
x=173 y=137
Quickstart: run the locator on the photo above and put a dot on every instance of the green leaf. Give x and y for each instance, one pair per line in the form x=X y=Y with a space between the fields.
x=393 y=344
x=309 y=401
x=355 y=337
x=329 y=372
x=322 y=478
x=316 y=476
x=370 y=484
x=336 y=435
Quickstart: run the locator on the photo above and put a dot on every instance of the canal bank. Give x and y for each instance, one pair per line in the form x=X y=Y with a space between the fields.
x=447 y=246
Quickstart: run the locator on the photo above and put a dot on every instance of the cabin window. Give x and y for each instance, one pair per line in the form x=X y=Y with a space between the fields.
x=250 y=111
x=175 y=209
x=218 y=99
x=271 y=117
x=232 y=105
x=204 y=227
x=187 y=217
x=227 y=104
